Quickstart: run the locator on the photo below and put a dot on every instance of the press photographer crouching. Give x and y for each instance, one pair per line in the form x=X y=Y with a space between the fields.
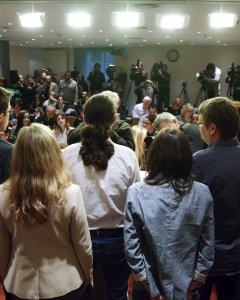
x=210 y=80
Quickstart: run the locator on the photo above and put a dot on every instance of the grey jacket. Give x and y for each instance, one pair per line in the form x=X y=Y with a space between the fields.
x=169 y=240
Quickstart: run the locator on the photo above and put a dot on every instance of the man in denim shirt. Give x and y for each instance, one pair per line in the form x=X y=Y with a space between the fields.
x=218 y=167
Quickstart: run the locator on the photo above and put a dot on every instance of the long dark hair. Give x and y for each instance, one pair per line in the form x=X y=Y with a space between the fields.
x=20 y=120
x=169 y=160
x=99 y=115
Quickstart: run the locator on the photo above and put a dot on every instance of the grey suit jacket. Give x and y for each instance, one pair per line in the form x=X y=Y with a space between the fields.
x=46 y=260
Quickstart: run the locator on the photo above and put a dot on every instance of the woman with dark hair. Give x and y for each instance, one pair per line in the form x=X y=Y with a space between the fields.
x=104 y=171
x=169 y=229
x=45 y=249
x=22 y=120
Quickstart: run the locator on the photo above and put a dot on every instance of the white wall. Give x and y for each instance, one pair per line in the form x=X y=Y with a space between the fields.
x=191 y=60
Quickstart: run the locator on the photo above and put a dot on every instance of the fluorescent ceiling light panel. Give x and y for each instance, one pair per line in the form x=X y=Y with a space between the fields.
x=127 y=19
x=32 y=20
x=172 y=21
x=221 y=20
x=79 y=19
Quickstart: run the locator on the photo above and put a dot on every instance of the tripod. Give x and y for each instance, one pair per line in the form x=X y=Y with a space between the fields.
x=124 y=103
x=184 y=93
x=230 y=90
x=201 y=96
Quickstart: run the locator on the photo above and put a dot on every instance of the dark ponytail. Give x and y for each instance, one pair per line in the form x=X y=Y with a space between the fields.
x=99 y=115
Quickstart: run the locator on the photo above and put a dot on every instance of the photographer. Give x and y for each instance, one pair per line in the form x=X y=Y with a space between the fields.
x=160 y=75
x=233 y=79
x=138 y=75
x=146 y=88
x=210 y=80
x=96 y=78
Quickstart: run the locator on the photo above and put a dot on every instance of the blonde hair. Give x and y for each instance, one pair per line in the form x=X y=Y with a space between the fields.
x=139 y=134
x=38 y=175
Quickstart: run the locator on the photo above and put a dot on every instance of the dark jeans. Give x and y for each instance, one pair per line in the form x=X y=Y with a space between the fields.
x=73 y=295
x=227 y=287
x=109 y=252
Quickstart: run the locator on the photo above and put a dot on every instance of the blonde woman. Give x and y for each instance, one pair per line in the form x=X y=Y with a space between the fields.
x=139 y=135
x=45 y=248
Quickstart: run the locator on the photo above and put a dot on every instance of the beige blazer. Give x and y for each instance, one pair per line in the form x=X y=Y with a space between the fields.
x=47 y=260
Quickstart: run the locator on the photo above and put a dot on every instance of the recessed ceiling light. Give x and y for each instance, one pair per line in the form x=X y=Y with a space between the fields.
x=26 y=42
x=181 y=41
x=106 y=40
x=140 y=45
x=59 y=42
x=69 y=39
x=51 y=44
x=110 y=45
x=172 y=21
x=127 y=19
x=150 y=31
x=218 y=41
x=221 y=20
x=41 y=35
x=210 y=37
x=92 y=42
x=125 y=36
x=52 y=30
x=9 y=24
x=100 y=30
x=199 y=32
x=159 y=43
x=144 y=40
x=83 y=35
x=4 y=30
x=168 y=36
x=33 y=39
x=32 y=20
x=79 y=19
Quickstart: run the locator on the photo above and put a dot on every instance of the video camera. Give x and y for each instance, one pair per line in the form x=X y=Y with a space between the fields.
x=110 y=70
x=201 y=75
x=135 y=68
x=158 y=66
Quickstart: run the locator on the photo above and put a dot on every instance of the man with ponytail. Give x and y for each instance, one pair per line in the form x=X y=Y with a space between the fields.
x=104 y=171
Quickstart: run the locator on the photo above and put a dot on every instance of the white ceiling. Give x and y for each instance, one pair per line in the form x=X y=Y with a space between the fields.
x=57 y=34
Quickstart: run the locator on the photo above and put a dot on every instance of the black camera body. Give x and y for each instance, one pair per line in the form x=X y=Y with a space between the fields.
x=110 y=70
x=202 y=75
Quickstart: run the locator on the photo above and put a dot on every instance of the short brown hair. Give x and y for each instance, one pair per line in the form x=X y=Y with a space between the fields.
x=223 y=113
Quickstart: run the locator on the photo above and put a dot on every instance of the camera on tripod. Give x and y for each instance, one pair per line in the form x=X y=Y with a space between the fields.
x=110 y=70
x=202 y=75
x=135 y=68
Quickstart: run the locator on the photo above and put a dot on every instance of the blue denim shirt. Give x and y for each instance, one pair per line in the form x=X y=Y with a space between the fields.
x=218 y=167
x=168 y=239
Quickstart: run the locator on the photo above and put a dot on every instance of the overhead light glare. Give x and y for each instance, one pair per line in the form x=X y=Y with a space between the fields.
x=32 y=20
x=127 y=19
x=79 y=19
x=221 y=20
x=172 y=21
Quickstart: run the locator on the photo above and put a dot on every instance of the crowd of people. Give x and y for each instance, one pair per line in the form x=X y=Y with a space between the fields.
x=158 y=199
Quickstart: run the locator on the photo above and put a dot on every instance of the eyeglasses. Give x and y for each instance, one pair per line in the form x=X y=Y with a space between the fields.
x=7 y=111
x=200 y=123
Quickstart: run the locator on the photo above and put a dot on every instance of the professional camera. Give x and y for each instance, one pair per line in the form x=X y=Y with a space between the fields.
x=135 y=68
x=110 y=71
x=158 y=66
x=201 y=75
x=184 y=84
